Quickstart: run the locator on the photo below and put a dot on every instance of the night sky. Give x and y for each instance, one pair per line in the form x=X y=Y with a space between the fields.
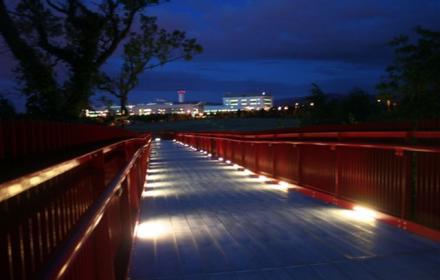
x=278 y=46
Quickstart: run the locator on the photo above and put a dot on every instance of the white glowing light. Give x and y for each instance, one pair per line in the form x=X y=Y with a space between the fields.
x=365 y=212
x=151 y=230
x=157 y=139
x=205 y=152
x=156 y=193
x=228 y=162
x=186 y=145
x=262 y=178
x=247 y=172
x=209 y=155
x=220 y=159
x=278 y=187
x=283 y=184
x=236 y=166
x=361 y=214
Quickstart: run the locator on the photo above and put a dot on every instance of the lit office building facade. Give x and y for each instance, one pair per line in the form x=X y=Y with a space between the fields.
x=248 y=102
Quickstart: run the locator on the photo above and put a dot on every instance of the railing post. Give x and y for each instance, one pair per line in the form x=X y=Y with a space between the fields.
x=104 y=265
x=256 y=164
x=337 y=170
x=103 y=254
x=274 y=160
x=408 y=184
x=299 y=163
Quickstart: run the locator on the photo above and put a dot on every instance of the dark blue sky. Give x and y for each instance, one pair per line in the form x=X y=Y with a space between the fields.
x=279 y=46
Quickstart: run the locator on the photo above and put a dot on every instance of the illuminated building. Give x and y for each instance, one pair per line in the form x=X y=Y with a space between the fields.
x=248 y=102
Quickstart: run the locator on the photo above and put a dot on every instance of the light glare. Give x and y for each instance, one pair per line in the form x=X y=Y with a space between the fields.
x=262 y=178
x=283 y=184
x=151 y=230
x=365 y=212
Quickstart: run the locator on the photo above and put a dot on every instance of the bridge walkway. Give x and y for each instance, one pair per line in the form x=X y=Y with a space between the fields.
x=205 y=219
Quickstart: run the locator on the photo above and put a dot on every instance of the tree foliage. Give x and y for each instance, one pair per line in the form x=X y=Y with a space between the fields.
x=61 y=45
x=148 y=49
x=7 y=110
x=414 y=76
x=322 y=108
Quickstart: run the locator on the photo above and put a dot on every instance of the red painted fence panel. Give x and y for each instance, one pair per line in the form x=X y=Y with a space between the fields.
x=74 y=220
x=372 y=168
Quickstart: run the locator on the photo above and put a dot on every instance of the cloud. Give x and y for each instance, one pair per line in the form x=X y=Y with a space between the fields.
x=347 y=30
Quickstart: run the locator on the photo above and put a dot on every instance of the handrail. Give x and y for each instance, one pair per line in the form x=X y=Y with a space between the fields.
x=84 y=230
x=397 y=148
x=403 y=134
x=16 y=186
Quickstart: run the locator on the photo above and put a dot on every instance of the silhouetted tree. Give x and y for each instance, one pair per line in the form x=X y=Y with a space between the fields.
x=357 y=106
x=72 y=37
x=7 y=110
x=150 y=48
x=318 y=109
x=414 y=76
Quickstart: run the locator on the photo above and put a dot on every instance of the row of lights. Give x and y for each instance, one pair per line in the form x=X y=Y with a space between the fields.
x=359 y=212
x=281 y=185
x=156 y=229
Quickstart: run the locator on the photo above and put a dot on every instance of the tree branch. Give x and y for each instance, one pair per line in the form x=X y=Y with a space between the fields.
x=56 y=7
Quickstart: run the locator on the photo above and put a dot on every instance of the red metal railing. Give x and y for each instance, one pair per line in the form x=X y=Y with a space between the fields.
x=74 y=220
x=401 y=180
x=25 y=138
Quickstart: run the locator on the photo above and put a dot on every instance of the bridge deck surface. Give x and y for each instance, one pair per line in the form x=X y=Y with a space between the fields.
x=202 y=219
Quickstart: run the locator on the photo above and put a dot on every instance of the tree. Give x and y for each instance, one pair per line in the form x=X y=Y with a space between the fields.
x=7 y=110
x=70 y=37
x=151 y=48
x=414 y=76
x=317 y=110
x=357 y=106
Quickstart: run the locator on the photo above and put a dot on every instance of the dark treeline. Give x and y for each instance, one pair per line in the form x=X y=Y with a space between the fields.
x=61 y=46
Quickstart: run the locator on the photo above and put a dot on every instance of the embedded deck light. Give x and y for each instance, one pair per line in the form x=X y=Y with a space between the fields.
x=228 y=162
x=247 y=172
x=263 y=178
x=157 y=139
x=365 y=212
x=283 y=184
x=220 y=159
x=151 y=230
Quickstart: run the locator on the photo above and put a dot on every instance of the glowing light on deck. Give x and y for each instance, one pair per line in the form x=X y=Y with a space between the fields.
x=365 y=212
x=278 y=187
x=283 y=184
x=247 y=172
x=263 y=178
x=220 y=159
x=157 y=139
x=156 y=193
x=209 y=155
x=361 y=214
x=151 y=230
x=228 y=162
